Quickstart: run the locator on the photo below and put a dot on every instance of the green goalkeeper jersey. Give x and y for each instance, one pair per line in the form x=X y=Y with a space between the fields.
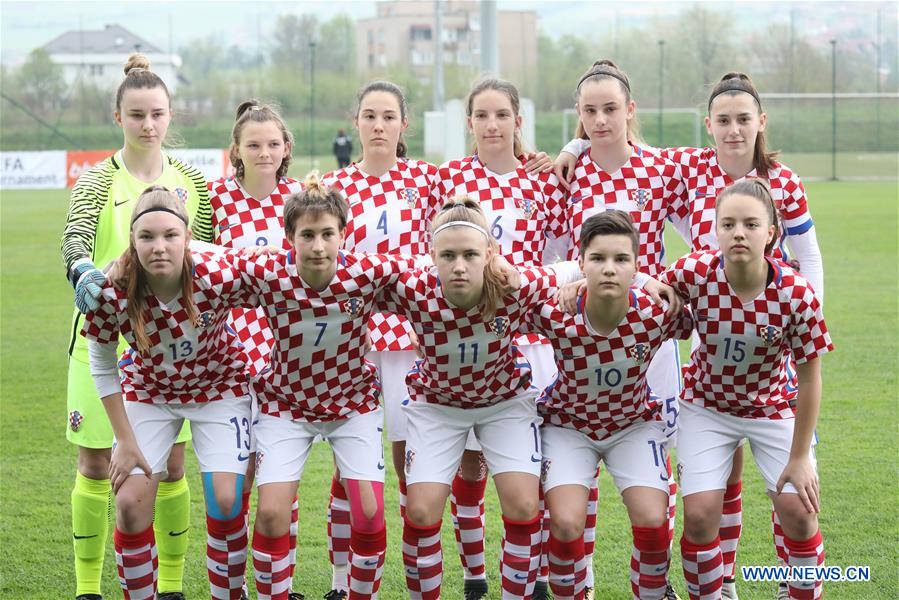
x=99 y=219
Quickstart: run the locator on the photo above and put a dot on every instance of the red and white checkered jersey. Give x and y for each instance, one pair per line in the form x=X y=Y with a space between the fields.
x=318 y=370
x=648 y=187
x=470 y=362
x=742 y=363
x=524 y=211
x=705 y=178
x=601 y=385
x=239 y=221
x=388 y=215
x=187 y=362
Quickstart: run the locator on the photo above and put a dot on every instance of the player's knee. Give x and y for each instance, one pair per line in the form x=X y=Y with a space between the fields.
x=472 y=466
x=271 y=520
x=701 y=522
x=521 y=508
x=223 y=495
x=132 y=508
x=175 y=464
x=797 y=522
x=420 y=514
x=93 y=463
x=565 y=528
x=649 y=518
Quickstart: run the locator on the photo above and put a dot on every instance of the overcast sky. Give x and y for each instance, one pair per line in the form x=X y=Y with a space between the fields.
x=26 y=25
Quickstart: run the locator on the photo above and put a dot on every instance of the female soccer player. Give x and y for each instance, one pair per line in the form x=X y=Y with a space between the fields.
x=753 y=315
x=616 y=172
x=182 y=362
x=525 y=213
x=317 y=301
x=96 y=232
x=737 y=124
x=600 y=408
x=471 y=377
x=391 y=202
x=248 y=211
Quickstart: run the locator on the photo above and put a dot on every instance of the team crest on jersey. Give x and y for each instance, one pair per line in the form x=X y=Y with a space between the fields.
x=544 y=469
x=75 y=420
x=412 y=196
x=527 y=207
x=679 y=472
x=640 y=197
x=770 y=335
x=354 y=306
x=204 y=319
x=639 y=352
x=410 y=456
x=500 y=326
x=182 y=194
x=259 y=456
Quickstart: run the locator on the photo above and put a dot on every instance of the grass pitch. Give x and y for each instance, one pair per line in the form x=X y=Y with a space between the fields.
x=857 y=454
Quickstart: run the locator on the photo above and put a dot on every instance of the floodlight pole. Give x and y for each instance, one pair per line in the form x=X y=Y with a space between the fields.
x=661 y=90
x=833 y=109
x=311 y=103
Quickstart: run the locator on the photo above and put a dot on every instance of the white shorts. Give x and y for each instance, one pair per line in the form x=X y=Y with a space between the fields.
x=708 y=440
x=635 y=456
x=284 y=446
x=509 y=432
x=543 y=372
x=222 y=432
x=392 y=368
x=664 y=379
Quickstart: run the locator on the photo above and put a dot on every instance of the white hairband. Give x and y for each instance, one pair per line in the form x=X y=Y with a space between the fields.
x=461 y=224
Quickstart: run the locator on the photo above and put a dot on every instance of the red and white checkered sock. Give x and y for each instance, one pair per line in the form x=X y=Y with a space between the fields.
x=778 y=538
x=567 y=568
x=402 y=483
x=520 y=556
x=339 y=535
x=272 y=566
x=672 y=503
x=543 y=575
x=135 y=557
x=590 y=530
x=423 y=559
x=731 y=526
x=294 y=525
x=650 y=558
x=703 y=568
x=366 y=563
x=226 y=556
x=807 y=553
x=467 y=506
x=245 y=513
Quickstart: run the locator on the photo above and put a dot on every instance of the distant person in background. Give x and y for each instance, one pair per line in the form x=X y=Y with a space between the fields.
x=343 y=147
x=96 y=232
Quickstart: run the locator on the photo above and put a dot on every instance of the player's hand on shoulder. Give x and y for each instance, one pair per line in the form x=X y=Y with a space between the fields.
x=801 y=473
x=563 y=167
x=538 y=162
x=257 y=251
x=567 y=296
x=662 y=294
x=511 y=275
x=126 y=456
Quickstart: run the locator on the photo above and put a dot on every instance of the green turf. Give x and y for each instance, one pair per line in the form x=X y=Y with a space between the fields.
x=858 y=452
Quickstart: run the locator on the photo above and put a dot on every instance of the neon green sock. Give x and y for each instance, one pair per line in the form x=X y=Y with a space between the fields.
x=90 y=528
x=170 y=524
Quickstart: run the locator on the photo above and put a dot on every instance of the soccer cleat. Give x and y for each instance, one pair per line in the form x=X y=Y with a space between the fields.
x=475 y=589
x=171 y=596
x=783 y=591
x=541 y=591
x=244 y=595
x=670 y=594
x=89 y=597
x=589 y=594
x=295 y=596
x=336 y=595
x=729 y=589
